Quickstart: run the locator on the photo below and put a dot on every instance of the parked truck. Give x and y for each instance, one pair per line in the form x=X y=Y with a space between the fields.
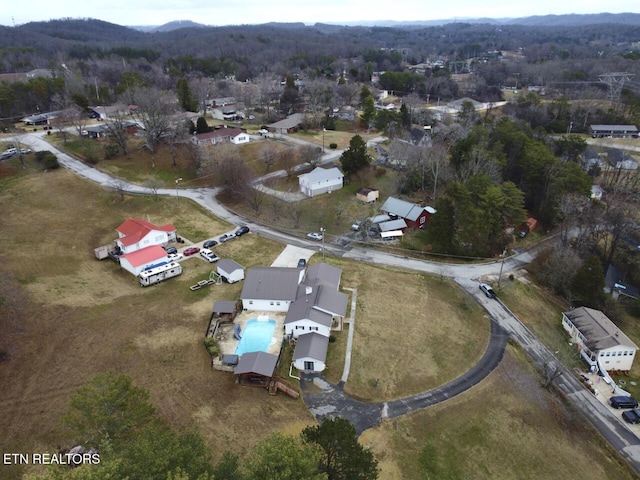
x=159 y=274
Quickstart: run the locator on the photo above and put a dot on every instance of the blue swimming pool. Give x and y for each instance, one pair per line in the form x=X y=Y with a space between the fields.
x=257 y=335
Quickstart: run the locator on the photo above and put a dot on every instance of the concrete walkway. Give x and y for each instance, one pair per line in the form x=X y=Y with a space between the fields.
x=352 y=326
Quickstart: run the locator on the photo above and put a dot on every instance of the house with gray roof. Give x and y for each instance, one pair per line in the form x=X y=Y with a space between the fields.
x=288 y=125
x=271 y=289
x=321 y=180
x=613 y=131
x=319 y=305
x=310 y=353
x=601 y=343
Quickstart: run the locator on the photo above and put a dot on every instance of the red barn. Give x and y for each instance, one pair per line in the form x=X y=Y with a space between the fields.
x=414 y=215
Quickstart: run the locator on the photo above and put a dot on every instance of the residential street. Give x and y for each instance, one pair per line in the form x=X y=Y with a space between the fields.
x=325 y=400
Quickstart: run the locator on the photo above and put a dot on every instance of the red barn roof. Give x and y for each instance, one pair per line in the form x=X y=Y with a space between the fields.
x=134 y=229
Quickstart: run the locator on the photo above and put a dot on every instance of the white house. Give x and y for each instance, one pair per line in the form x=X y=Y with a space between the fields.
x=135 y=234
x=310 y=353
x=321 y=180
x=230 y=271
x=602 y=344
x=139 y=260
x=270 y=288
x=319 y=305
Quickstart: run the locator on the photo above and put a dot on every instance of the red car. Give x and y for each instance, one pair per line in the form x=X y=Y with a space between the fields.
x=191 y=251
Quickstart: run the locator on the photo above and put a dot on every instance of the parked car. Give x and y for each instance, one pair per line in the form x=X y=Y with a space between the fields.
x=208 y=255
x=191 y=251
x=631 y=416
x=242 y=231
x=170 y=250
x=622 y=401
x=25 y=151
x=302 y=263
x=487 y=290
x=226 y=237
x=314 y=236
x=209 y=244
x=174 y=257
x=8 y=153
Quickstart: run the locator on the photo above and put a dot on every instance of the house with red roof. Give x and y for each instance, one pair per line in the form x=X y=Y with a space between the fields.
x=135 y=234
x=143 y=259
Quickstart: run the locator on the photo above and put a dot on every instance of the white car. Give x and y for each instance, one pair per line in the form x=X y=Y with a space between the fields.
x=174 y=257
x=208 y=255
x=314 y=236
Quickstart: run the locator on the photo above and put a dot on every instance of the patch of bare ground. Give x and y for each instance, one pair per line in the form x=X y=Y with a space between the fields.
x=507 y=427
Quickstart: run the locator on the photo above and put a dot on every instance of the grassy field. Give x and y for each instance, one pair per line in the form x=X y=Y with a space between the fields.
x=66 y=316
x=508 y=427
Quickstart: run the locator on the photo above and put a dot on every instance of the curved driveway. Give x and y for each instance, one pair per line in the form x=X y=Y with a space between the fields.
x=503 y=324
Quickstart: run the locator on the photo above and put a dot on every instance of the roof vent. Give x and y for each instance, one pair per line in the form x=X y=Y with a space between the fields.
x=308 y=290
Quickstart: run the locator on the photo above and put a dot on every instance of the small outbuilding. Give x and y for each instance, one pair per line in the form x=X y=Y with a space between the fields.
x=224 y=310
x=256 y=369
x=230 y=271
x=367 y=195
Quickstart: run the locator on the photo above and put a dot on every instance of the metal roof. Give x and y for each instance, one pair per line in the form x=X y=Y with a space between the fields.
x=224 y=306
x=601 y=333
x=311 y=345
x=227 y=265
x=259 y=363
x=271 y=283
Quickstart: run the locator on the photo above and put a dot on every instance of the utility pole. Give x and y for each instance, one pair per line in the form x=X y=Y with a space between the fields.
x=504 y=254
x=177 y=180
x=322 y=230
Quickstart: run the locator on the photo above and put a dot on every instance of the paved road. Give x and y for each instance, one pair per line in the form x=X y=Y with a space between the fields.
x=503 y=323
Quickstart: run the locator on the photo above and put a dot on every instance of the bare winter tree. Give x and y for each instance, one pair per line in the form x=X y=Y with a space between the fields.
x=310 y=154
x=288 y=159
x=237 y=177
x=153 y=111
x=153 y=184
x=117 y=129
x=268 y=154
x=119 y=186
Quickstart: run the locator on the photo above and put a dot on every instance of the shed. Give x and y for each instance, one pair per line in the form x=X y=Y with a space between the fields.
x=256 y=369
x=230 y=271
x=367 y=195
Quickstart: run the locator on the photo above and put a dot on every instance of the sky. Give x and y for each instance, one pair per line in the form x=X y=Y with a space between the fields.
x=238 y=12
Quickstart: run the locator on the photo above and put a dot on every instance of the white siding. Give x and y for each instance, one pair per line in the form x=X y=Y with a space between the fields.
x=617 y=358
x=305 y=326
x=318 y=366
x=266 y=305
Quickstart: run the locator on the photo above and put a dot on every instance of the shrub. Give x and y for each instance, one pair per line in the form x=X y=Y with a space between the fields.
x=110 y=151
x=379 y=171
x=212 y=347
x=48 y=159
x=333 y=146
x=332 y=338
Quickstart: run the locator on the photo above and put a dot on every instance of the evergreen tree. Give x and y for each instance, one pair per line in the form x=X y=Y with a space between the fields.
x=185 y=97
x=368 y=114
x=588 y=284
x=344 y=458
x=355 y=158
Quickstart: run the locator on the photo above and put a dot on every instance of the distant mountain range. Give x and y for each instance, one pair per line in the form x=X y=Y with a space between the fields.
x=534 y=21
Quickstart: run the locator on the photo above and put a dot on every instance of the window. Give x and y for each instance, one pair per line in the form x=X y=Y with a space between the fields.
x=313 y=328
x=308 y=365
x=299 y=327
x=250 y=302
x=270 y=303
x=278 y=303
